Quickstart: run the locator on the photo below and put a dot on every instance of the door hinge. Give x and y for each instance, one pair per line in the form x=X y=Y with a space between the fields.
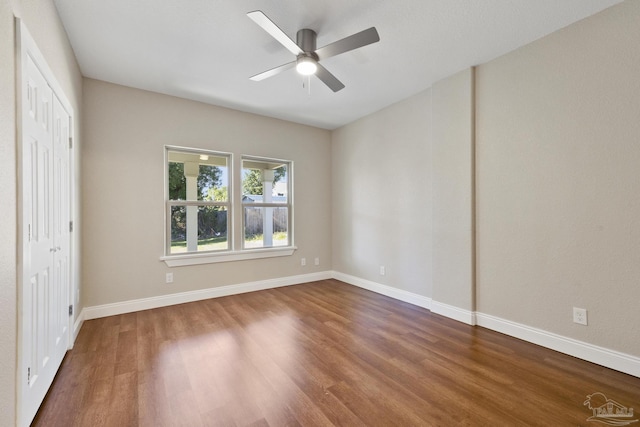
x=29 y=232
x=28 y=375
x=70 y=226
x=71 y=310
x=70 y=142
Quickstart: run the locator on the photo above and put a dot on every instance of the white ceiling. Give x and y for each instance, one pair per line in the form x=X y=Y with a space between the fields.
x=206 y=50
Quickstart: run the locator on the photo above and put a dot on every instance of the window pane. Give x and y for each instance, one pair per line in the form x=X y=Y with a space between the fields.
x=258 y=175
x=266 y=227
x=209 y=225
x=197 y=176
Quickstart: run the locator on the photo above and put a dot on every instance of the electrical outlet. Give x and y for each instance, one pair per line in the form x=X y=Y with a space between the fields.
x=303 y=261
x=580 y=315
x=169 y=278
x=383 y=271
x=316 y=261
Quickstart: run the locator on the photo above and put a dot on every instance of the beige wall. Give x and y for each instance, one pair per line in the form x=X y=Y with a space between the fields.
x=123 y=183
x=42 y=21
x=452 y=150
x=558 y=161
x=381 y=196
x=8 y=270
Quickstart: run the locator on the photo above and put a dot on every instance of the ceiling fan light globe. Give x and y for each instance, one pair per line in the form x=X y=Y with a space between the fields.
x=306 y=66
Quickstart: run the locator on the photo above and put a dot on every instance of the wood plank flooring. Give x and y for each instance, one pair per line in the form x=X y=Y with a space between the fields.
x=317 y=354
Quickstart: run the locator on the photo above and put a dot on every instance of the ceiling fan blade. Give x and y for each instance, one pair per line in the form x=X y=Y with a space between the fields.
x=346 y=44
x=267 y=24
x=329 y=79
x=273 y=71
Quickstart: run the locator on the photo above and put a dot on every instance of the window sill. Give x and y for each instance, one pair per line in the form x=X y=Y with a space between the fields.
x=211 y=257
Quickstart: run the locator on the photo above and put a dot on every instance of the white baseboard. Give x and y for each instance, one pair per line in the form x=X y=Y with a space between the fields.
x=76 y=327
x=602 y=356
x=395 y=293
x=452 y=312
x=190 y=296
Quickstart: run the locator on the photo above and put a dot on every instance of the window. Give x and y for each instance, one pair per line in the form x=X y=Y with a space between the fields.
x=265 y=203
x=197 y=201
x=201 y=207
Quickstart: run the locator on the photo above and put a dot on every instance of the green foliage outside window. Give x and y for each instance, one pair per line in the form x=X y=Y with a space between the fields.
x=252 y=180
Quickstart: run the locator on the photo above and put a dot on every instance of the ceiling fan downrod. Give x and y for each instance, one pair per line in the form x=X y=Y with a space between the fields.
x=306 y=39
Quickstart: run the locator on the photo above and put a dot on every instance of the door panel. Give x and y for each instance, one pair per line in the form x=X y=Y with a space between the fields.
x=59 y=320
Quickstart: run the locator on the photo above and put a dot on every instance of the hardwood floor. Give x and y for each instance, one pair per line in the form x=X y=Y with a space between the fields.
x=316 y=354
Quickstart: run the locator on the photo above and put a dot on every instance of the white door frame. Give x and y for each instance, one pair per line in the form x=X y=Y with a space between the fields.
x=25 y=45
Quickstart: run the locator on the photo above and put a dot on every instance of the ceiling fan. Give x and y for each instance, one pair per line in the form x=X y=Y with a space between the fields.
x=307 y=56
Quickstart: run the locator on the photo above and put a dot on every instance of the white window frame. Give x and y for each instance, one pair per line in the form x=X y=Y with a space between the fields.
x=235 y=225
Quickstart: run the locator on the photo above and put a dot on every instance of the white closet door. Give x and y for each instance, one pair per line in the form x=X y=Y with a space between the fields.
x=45 y=174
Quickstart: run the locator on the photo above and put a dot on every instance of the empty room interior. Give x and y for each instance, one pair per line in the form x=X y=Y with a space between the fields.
x=437 y=223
